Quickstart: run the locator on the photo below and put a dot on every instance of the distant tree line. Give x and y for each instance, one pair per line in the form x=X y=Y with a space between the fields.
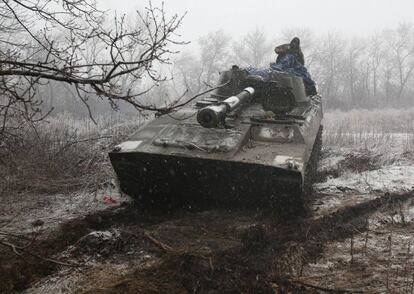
x=351 y=72
x=375 y=71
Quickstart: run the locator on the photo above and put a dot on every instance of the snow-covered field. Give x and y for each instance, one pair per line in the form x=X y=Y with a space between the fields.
x=368 y=152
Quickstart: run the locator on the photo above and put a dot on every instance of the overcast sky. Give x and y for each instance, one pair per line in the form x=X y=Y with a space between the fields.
x=359 y=17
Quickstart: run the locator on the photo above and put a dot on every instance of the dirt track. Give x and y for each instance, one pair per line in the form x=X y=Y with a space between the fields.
x=220 y=251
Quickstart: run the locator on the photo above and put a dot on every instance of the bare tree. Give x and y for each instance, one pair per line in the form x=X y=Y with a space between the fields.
x=400 y=44
x=353 y=68
x=196 y=72
x=253 y=49
x=376 y=55
x=188 y=70
x=214 y=54
x=328 y=66
x=48 y=40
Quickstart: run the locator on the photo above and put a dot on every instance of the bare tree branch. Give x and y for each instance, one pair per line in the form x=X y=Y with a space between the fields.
x=46 y=40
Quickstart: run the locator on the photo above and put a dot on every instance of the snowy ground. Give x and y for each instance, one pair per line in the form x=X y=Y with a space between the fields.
x=384 y=168
x=366 y=156
x=394 y=178
x=368 y=152
x=46 y=212
x=362 y=165
x=356 y=238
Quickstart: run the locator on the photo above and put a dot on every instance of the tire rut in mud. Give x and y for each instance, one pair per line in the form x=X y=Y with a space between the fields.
x=259 y=261
x=262 y=262
x=18 y=271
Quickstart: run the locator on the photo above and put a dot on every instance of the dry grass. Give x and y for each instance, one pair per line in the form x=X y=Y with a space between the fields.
x=63 y=154
x=388 y=132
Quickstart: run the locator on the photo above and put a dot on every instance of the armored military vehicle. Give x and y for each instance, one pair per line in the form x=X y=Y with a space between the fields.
x=250 y=143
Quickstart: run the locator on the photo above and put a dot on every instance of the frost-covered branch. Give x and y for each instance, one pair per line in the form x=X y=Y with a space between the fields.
x=51 y=40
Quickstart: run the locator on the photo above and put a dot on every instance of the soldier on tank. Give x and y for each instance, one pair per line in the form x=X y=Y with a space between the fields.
x=290 y=59
x=292 y=48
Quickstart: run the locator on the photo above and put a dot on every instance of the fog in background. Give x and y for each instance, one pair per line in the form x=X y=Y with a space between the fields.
x=350 y=17
x=360 y=53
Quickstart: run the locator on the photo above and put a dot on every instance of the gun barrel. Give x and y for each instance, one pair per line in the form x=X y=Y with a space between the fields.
x=211 y=116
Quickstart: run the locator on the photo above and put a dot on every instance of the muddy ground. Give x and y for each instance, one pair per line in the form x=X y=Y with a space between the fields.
x=351 y=241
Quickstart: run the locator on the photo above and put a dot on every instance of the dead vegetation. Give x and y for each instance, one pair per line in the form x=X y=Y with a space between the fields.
x=356 y=162
x=60 y=156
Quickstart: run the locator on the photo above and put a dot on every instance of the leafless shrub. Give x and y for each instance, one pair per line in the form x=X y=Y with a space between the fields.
x=62 y=155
